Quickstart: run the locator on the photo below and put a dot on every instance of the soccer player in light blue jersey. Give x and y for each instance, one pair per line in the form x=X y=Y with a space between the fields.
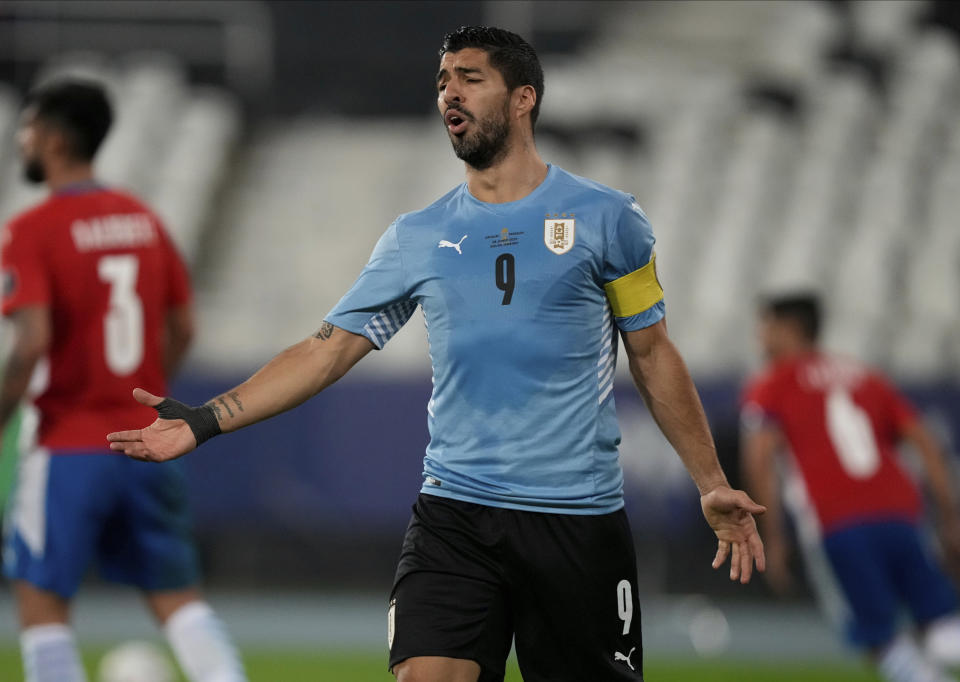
x=529 y=277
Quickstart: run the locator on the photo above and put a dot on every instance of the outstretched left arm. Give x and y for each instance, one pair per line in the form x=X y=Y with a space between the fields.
x=662 y=378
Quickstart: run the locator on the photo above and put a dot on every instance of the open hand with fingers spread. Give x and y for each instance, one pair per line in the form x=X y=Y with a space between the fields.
x=730 y=513
x=177 y=430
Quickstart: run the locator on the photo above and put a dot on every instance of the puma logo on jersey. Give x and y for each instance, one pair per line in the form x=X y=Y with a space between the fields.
x=444 y=244
x=617 y=656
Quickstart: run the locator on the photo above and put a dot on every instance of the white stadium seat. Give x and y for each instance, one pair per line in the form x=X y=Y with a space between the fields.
x=200 y=147
x=856 y=196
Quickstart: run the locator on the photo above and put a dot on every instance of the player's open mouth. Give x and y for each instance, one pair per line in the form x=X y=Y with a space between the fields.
x=456 y=121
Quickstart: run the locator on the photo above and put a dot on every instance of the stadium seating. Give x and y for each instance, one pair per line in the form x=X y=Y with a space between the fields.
x=196 y=165
x=170 y=143
x=764 y=161
x=774 y=146
x=832 y=154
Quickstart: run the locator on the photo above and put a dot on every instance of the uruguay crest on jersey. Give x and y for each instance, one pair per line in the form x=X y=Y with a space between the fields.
x=558 y=235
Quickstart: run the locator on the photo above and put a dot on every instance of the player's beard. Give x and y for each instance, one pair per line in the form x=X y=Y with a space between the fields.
x=33 y=171
x=487 y=144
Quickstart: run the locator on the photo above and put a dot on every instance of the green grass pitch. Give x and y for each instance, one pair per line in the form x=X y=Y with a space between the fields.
x=263 y=667
x=287 y=666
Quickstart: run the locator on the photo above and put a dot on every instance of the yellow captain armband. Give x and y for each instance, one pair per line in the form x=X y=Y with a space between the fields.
x=636 y=292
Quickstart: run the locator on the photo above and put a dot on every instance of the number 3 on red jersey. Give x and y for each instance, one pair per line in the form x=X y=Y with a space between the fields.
x=123 y=323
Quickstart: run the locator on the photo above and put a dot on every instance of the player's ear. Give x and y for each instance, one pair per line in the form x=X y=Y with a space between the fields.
x=51 y=140
x=524 y=99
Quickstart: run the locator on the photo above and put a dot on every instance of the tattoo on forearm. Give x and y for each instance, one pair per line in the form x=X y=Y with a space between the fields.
x=219 y=405
x=225 y=406
x=325 y=332
x=236 y=400
x=216 y=410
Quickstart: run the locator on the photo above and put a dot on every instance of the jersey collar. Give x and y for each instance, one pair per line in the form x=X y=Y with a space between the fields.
x=509 y=205
x=75 y=188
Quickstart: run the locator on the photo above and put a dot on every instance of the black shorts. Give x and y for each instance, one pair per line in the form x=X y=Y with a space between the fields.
x=471 y=578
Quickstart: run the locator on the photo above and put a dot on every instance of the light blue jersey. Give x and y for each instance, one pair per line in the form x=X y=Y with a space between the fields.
x=519 y=302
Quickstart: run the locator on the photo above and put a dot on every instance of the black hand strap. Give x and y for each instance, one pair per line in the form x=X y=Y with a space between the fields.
x=201 y=420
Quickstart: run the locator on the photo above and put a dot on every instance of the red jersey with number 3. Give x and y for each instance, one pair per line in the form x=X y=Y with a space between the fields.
x=842 y=422
x=106 y=269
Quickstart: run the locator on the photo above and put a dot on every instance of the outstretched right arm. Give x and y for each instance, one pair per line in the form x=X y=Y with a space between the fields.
x=289 y=379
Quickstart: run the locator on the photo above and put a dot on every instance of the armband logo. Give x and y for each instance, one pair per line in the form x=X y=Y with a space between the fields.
x=559 y=232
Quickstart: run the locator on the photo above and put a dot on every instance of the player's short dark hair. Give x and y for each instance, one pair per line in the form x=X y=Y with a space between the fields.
x=78 y=108
x=801 y=308
x=510 y=54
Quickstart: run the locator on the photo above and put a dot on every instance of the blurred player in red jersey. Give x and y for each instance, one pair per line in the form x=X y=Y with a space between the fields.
x=99 y=302
x=841 y=423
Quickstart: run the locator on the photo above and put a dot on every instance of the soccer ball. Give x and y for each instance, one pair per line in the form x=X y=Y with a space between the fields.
x=135 y=662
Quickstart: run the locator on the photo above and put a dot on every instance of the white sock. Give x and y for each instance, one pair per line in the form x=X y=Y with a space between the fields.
x=202 y=645
x=903 y=662
x=50 y=654
x=942 y=641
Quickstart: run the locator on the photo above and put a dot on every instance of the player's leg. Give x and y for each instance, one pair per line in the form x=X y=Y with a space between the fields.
x=901 y=660
x=197 y=636
x=862 y=564
x=448 y=618
x=39 y=607
x=573 y=588
x=51 y=528
x=931 y=597
x=147 y=543
x=941 y=640
x=447 y=628
x=433 y=668
x=47 y=643
x=164 y=603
